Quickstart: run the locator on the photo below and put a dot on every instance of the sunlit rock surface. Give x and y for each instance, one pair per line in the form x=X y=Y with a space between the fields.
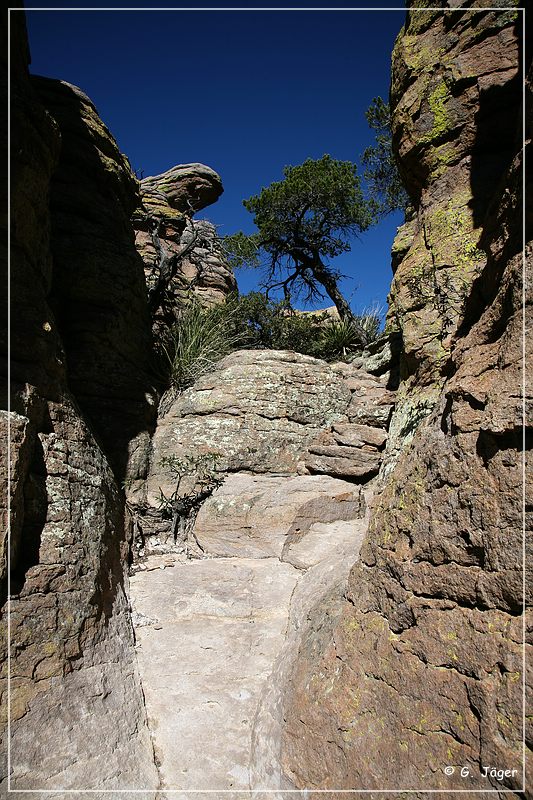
x=419 y=667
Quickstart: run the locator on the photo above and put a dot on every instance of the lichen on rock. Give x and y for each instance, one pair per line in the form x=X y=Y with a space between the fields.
x=419 y=666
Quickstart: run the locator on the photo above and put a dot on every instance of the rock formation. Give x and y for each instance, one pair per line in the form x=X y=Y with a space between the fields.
x=420 y=666
x=210 y=631
x=80 y=339
x=266 y=412
x=182 y=257
x=455 y=89
x=250 y=619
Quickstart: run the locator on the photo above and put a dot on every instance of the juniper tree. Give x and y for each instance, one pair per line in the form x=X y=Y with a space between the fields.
x=381 y=172
x=303 y=222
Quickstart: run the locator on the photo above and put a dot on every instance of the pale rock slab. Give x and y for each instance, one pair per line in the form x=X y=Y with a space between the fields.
x=262 y=516
x=212 y=633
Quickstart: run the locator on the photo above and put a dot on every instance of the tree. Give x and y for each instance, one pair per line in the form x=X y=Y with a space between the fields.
x=381 y=171
x=304 y=221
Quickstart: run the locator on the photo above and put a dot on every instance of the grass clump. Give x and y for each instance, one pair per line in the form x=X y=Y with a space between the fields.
x=342 y=338
x=200 y=338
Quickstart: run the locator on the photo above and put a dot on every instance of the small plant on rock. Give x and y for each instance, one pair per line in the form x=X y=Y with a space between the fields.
x=340 y=338
x=370 y=321
x=200 y=338
x=196 y=479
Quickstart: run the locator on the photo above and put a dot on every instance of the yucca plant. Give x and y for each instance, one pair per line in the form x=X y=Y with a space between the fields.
x=370 y=321
x=339 y=338
x=200 y=338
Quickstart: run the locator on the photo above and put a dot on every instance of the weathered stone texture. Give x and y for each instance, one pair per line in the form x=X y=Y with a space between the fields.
x=77 y=716
x=183 y=257
x=186 y=187
x=266 y=412
x=420 y=666
x=216 y=635
x=454 y=91
x=98 y=289
x=263 y=516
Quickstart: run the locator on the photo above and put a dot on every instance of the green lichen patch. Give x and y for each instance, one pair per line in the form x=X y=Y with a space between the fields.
x=438 y=100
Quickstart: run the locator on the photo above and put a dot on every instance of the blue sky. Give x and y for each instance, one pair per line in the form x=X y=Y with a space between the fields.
x=246 y=92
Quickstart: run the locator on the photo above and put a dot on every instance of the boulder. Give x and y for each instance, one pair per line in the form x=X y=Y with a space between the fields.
x=186 y=187
x=258 y=410
x=260 y=516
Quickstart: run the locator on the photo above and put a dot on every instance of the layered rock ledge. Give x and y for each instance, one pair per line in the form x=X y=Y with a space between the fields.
x=265 y=412
x=183 y=258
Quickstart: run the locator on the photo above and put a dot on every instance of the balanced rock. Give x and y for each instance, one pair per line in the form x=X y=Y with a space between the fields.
x=182 y=257
x=185 y=187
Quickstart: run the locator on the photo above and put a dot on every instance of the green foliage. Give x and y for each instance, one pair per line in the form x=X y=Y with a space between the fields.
x=341 y=338
x=203 y=468
x=381 y=171
x=205 y=335
x=264 y=323
x=370 y=322
x=303 y=221
x=241 y=250
x=273 y=325
x=316 y=205
x=200 y=338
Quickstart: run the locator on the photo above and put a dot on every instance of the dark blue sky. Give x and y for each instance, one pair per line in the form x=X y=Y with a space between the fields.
x=246 y=92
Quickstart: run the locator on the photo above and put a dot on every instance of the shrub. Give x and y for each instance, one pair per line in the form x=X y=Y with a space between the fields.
x=339 y=339
x=370 y=321
x=203 y=336
x=182 y=505
x=274 y=325
x=200 y=338
x=342 y=338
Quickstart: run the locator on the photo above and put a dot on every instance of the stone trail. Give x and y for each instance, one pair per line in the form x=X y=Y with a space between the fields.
x=216 y=636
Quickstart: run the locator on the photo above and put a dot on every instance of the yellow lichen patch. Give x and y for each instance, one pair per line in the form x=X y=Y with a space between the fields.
x=420 y=20
x=505 y=722
x=440 y=158
x=452 y=655
x=350 y=625
x=438 y=100
x=459 y=719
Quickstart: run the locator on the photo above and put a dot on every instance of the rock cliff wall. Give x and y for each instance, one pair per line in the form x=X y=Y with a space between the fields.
x=80 y=338
x=454 y=93
x=420 y=666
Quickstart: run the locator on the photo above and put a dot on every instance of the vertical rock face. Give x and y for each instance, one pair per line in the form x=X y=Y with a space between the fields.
x=454 y=94
x=98 y=292
x=77 y=716
x=182 y=257
x=420 y=666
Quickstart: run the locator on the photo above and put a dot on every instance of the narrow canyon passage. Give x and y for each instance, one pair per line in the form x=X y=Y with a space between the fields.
x=216 y=636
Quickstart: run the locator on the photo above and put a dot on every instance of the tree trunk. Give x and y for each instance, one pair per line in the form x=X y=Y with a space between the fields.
x=329 y=282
